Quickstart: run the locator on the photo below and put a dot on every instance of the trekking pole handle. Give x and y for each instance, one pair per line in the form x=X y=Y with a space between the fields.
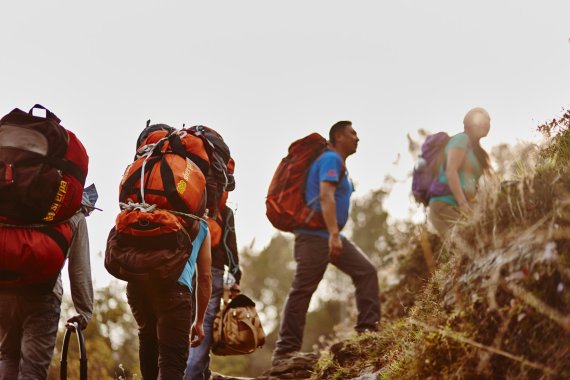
x=69 y=329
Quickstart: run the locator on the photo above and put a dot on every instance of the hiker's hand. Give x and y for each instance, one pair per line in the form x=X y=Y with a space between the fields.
x=196 y=334
x=465 y=208
x=335 y=246
x=234 y=290
x=81 y=322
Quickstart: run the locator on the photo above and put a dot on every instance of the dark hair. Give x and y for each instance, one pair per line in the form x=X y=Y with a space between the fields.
x=339 y=126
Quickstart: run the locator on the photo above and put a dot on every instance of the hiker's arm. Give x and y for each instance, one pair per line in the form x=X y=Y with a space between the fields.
x=455 y=158
x=79 y=269
x=203 y=290
x=328 y=209
x=232 y=245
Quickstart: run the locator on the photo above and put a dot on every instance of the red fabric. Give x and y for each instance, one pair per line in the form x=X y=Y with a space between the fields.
x=32 y=254
x=70 y=192
x=285 y=204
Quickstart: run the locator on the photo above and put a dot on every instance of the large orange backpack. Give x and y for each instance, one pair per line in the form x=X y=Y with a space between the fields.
x=286 y=207
x=169 y=173
x=162 y=194
x=43 y=167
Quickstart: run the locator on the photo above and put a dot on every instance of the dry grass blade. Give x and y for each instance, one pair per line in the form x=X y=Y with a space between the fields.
x=542 y=308
x=471 y=342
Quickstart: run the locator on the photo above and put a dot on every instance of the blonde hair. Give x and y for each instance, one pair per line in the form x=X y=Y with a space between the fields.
x=470 y=115
x=480 y=153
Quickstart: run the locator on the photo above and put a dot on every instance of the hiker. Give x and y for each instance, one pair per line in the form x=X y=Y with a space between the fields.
x=163 y=313
x=29 y=316
x=225 y=253
x=219 y=181
x=159 y=262
x=465 y=162
x=328 y=184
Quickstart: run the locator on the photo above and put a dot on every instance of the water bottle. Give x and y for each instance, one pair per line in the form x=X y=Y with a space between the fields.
x=229 y=280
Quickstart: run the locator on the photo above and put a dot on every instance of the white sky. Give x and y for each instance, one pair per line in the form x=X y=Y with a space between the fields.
x=264 y=73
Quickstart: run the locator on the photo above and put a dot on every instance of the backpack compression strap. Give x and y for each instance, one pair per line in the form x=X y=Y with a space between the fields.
x=58 y=163
x=57 y=237
x=177 y=147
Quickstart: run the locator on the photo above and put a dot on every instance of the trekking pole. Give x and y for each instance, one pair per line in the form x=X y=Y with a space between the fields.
x=69 y=329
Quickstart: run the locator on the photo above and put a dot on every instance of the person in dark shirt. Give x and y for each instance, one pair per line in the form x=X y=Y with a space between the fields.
x=224 y=254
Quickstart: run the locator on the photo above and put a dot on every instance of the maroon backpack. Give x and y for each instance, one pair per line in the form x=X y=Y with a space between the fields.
x=286 y=207
x=43 y=167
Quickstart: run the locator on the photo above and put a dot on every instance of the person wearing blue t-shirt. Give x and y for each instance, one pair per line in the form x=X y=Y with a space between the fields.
x=465 y=162
x=328 y=190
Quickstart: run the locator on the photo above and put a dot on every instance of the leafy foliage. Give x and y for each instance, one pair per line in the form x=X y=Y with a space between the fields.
x=557 y=152
x=110 y=338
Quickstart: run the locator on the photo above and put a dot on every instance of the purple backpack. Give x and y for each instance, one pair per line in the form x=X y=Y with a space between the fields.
x=425 y=182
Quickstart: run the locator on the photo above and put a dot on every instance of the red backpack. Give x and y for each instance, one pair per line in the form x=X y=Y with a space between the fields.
x=31 y=256
x=43 y=167
x=286 y=207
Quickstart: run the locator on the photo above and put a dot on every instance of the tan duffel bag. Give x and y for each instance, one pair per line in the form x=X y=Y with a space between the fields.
x=237 y=329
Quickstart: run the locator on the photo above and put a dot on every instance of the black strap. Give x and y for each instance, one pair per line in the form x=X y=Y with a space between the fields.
x=57 y=237
x=67 y=167
x=129 y=184
x=59 y=163
x=170 y=188
x=177 y=147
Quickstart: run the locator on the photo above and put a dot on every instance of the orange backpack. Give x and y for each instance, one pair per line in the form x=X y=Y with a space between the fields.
x=172 y=167
x=286 y=207
x=162 y=194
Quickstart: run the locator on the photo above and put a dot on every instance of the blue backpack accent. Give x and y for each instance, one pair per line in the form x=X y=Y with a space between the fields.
x=425 y=182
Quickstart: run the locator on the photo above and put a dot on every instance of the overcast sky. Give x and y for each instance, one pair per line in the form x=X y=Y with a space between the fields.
x=264 y=73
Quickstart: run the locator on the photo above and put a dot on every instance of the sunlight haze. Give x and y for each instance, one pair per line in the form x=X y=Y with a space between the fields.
x=266 y=73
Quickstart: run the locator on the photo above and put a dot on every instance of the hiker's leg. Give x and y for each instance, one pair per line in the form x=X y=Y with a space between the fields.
x=10 y=336
x=198 y=365
x=174 y=312
x=140 y=303
x=364 y=275
x=39 y=326
x=442 y=216
x=312 y=257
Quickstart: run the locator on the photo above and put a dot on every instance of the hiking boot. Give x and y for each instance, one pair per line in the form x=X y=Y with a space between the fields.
x=366 y=331
x=279 y=357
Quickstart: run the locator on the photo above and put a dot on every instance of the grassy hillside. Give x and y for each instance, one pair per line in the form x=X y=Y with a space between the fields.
x=498 y=305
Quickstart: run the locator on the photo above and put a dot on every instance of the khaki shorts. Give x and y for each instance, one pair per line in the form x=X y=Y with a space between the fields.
x=442 y=216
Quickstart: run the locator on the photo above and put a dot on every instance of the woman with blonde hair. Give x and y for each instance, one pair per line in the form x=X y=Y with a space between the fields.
x=465 y=162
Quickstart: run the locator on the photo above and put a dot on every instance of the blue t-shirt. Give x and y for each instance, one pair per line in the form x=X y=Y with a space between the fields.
x=328 y=167
x=190 y=267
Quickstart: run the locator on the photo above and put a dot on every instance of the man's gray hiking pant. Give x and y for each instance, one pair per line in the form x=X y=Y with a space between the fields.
x=312 y=257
